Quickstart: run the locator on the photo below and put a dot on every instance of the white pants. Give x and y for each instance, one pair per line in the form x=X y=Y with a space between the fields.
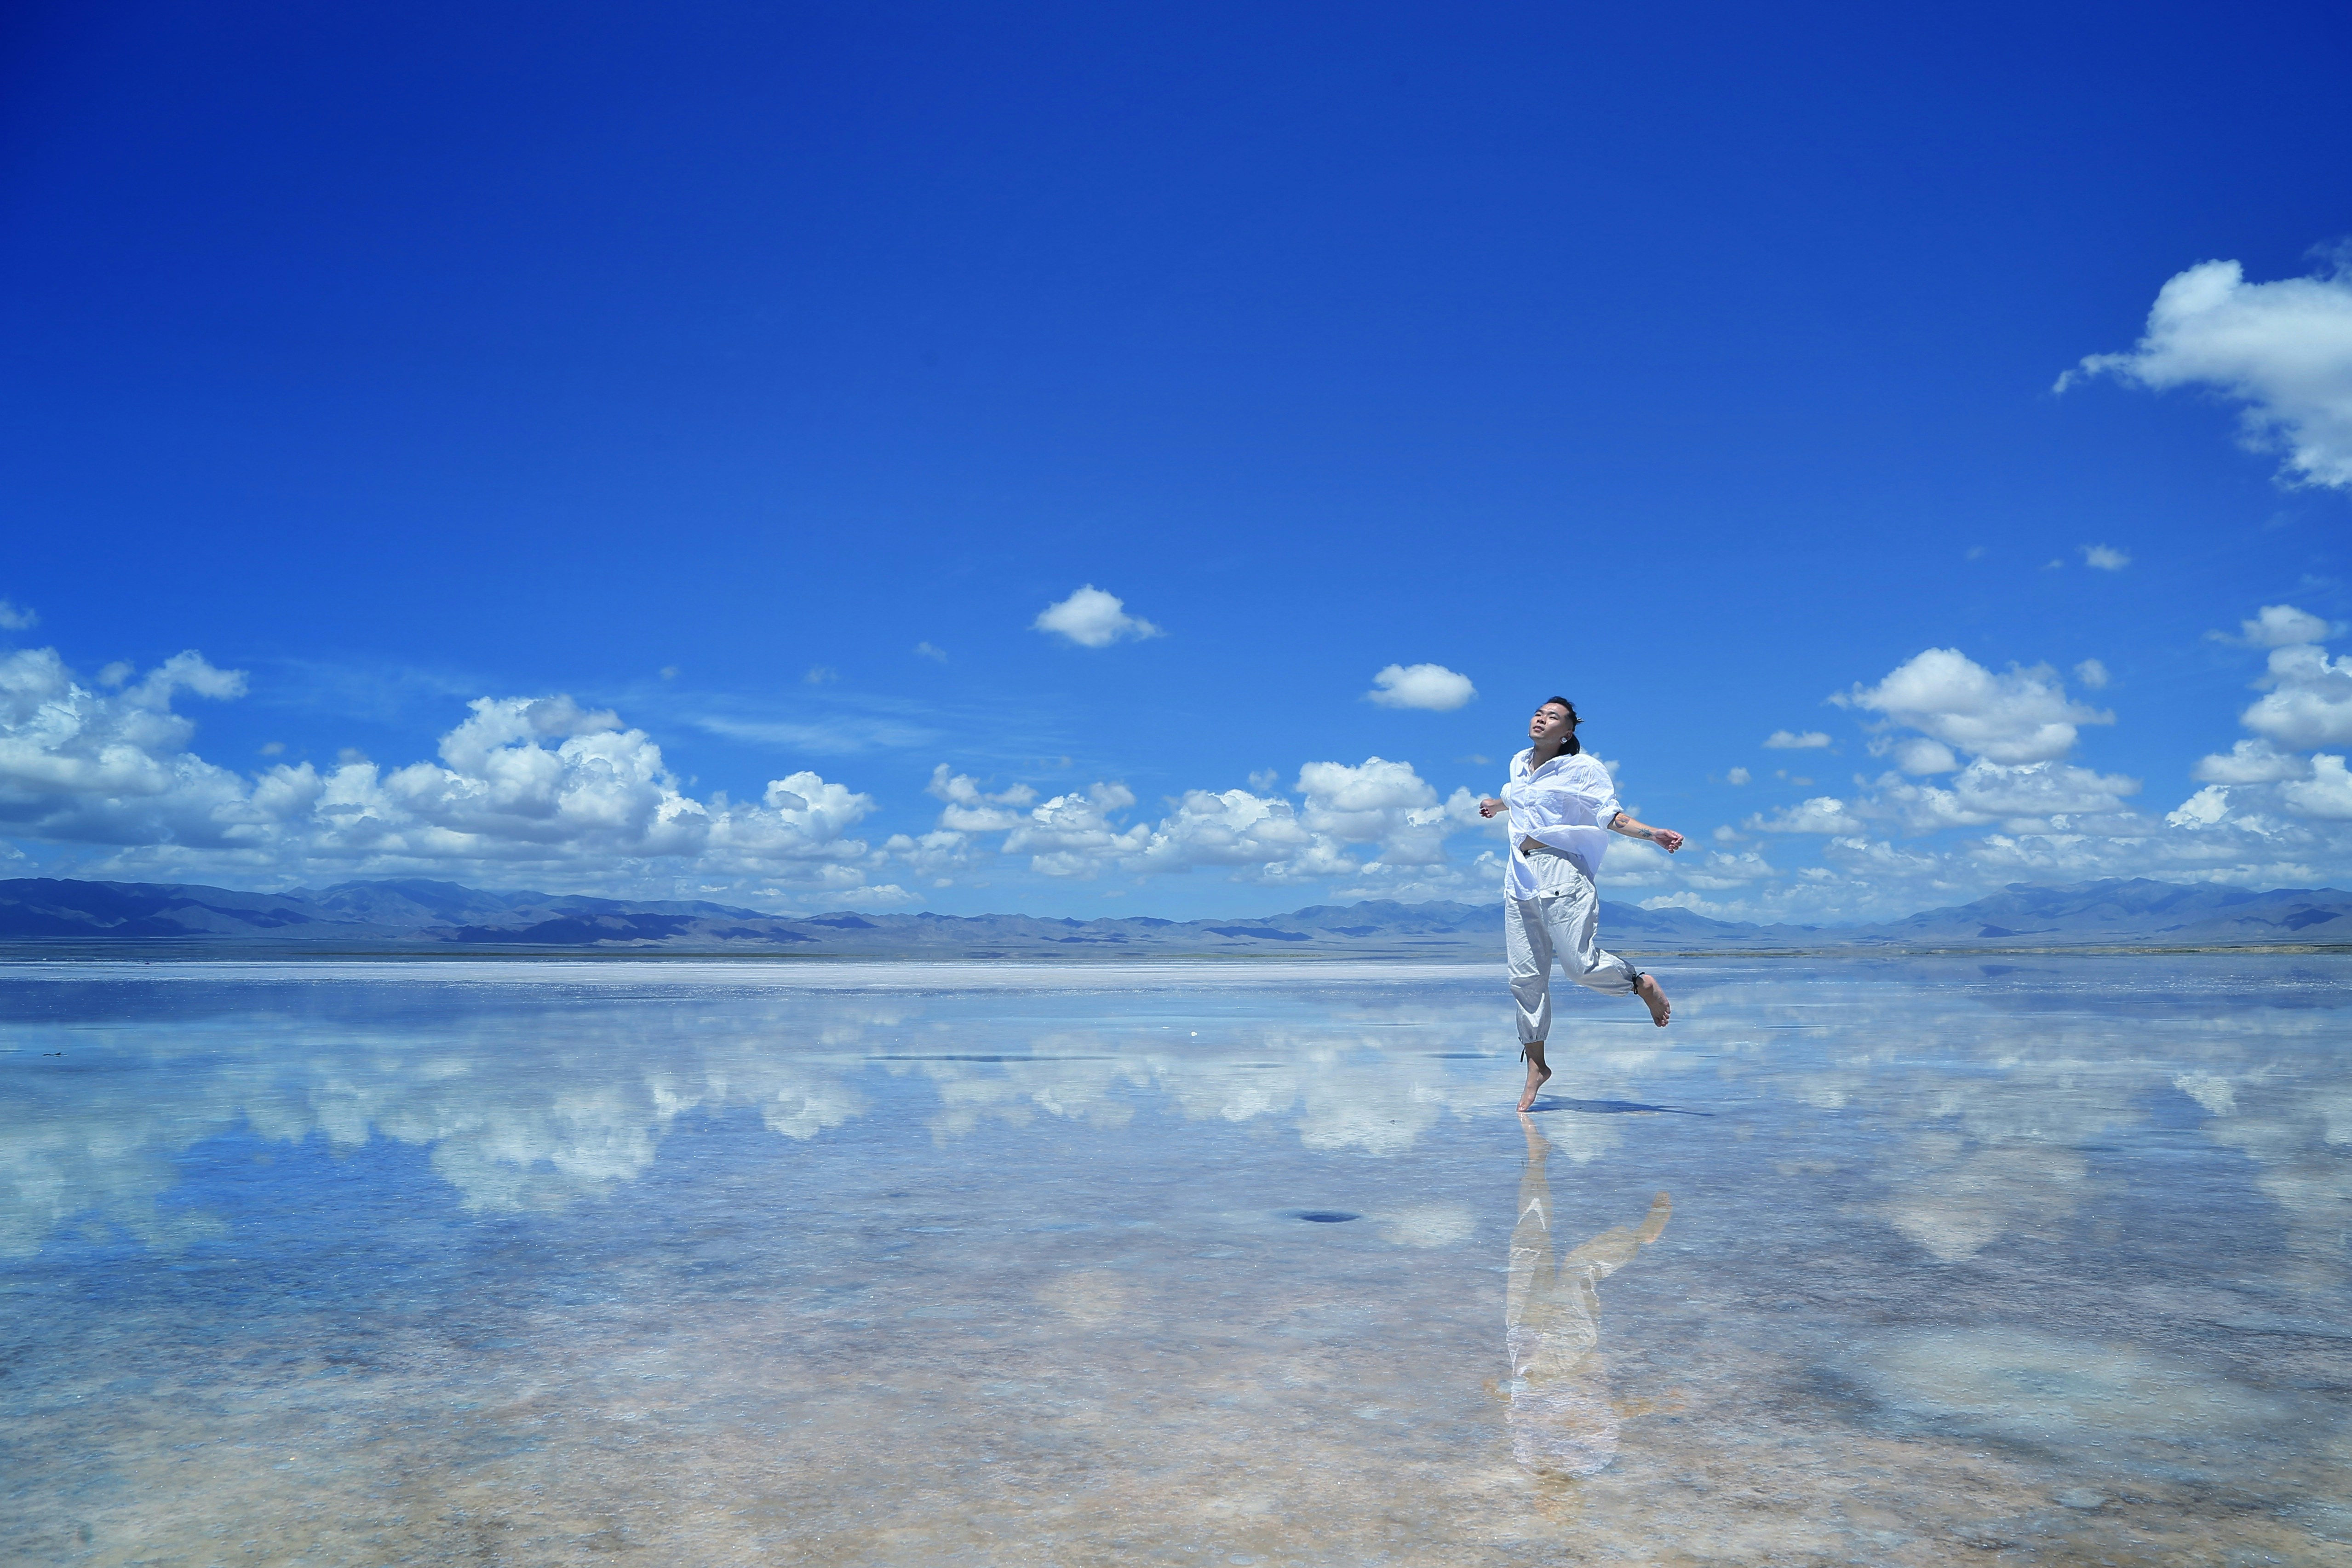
x=1563 y=919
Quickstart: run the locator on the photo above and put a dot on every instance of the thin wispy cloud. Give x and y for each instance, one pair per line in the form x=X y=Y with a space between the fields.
x=2279 y=626
x=840 y=736
x=396 y=695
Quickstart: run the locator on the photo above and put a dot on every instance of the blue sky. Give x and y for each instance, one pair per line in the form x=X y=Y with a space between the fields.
x=632 y=448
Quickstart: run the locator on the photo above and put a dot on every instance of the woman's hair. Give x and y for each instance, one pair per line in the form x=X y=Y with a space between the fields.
x=1572 y=748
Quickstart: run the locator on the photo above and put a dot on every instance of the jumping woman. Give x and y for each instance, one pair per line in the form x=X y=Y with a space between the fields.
x=1563 y=807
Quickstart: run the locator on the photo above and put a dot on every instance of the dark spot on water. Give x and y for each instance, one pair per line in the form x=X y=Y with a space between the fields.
x=1321 y=1216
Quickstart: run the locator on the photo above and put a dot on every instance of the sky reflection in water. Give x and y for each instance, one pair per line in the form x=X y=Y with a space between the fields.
x=531 y=1263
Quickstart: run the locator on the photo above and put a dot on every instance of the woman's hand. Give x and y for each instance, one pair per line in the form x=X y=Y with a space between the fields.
x=1665 y=838
x=1489 y=806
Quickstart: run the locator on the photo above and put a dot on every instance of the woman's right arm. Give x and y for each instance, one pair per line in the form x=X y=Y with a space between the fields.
x=1665 y=838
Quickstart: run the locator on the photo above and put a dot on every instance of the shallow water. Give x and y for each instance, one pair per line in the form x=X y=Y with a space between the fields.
x=673 y=1263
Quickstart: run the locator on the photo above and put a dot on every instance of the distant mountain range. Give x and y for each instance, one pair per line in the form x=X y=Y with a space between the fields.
x=421 y=916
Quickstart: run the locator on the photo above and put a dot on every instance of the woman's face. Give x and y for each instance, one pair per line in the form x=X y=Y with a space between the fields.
x=1550 y=723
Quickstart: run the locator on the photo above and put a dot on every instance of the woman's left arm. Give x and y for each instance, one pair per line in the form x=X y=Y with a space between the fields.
x=1665 y=838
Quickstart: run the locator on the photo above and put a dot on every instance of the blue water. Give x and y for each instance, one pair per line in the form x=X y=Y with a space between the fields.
x=671 y=1262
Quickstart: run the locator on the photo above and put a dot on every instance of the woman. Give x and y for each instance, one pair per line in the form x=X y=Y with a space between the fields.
x=1563 y=807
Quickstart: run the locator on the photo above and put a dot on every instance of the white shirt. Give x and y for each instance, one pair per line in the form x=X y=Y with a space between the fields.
x=1567 y=804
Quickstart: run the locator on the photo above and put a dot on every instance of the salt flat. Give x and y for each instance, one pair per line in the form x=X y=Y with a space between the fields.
x=1867 y=1262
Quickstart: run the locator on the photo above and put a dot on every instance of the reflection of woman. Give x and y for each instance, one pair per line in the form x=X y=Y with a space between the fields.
x=1560 y=1416
x=1563 y=807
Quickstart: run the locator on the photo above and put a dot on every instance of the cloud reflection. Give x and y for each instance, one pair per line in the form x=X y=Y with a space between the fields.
x=1983 y=1099
x=533 y=1102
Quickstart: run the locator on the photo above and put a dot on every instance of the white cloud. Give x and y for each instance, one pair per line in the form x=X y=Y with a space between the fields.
x=2206 y=806
x=2093 y=674
x=1386 y=804
x=927 y=650
x=1238 y=829
x=2106 y=558
x=16 y=617
x=969 y=810
x=2027 y=798
x=2310 y=700
x=2279 y=626
x=1918 y=755
x=1075 y=834
x=1377 y=819
x=77 y=765
x=1092 y=619
x=934 y=853
x=1430 y=686
x=1716 y=869
x=1789 y=741
x=537 y=788
x=2249 y=762
x=2023 y=716
x=2031 y=797
x=2307 y=704
x=1984 y=756
x=1738 y=775
x=2283 y=349
x=2326 y=793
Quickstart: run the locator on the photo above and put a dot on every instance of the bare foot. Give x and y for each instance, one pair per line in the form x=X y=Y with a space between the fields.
x=1537 y=1075
x=1655 y=999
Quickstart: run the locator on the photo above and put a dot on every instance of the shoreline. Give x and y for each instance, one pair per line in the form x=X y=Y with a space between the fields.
x=151 y=951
